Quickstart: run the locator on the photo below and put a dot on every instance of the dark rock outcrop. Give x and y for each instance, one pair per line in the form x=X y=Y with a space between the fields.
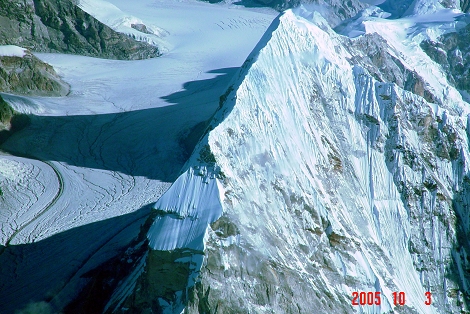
x=30 y=76
x=465 y=5
x=10 y=121
x=61 y=26
x=452 y=52
x=6 y=113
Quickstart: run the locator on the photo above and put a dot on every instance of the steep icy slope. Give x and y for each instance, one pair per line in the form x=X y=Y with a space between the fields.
x=343 y=171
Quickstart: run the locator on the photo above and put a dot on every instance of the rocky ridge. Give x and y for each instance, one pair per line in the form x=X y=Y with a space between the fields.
x=61 y=26
x=452 y=52
x=28 y=75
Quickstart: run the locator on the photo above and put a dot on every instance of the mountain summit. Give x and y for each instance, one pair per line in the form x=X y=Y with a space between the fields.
x=343 y=162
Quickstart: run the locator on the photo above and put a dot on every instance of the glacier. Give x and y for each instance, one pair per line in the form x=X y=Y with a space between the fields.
x=90 y=165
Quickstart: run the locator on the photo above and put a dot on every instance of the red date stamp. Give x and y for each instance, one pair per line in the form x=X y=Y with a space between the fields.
x=366 y=298
x=375 y=298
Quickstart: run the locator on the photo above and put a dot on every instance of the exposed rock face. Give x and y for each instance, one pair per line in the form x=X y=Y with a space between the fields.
x=164 y=282
x=371 y=52
x=452 y=52
x=30 y=76
x=465 y=5
x=61 y=26
x=10 y=120
x=6 y=113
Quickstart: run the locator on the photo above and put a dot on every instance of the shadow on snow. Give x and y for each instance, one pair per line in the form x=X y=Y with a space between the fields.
x=153 y=143
x=50 y=272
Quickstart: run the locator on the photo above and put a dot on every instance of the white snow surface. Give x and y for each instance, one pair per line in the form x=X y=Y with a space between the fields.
x=12 y=51
x=191 y=204
x=117 y=100
x=111 y=15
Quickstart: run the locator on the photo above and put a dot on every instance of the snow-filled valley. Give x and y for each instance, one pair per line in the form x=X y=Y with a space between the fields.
x=91 y=164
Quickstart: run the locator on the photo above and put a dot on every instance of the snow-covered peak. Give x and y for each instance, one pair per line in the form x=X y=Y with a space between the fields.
x=337 y=165
x=403 y=8
x=332 y=174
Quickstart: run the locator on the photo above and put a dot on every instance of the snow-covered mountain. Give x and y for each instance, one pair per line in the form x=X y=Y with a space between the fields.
x=61 y=26
x=333 y=177
x=338 y=164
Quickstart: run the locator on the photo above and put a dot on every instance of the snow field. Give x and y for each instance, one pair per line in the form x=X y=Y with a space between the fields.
x=12 y=51
x=28 y=188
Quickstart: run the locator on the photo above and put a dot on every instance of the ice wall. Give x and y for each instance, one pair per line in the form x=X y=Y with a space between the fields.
x=185 y=211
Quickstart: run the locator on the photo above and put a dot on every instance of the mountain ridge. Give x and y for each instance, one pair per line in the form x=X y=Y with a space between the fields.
x=349 y=171
x=61 y=26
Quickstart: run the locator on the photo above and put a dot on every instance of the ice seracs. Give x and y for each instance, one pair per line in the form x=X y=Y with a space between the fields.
x=186 y=210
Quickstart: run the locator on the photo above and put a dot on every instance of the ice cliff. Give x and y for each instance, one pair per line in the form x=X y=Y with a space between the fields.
x=341 y=165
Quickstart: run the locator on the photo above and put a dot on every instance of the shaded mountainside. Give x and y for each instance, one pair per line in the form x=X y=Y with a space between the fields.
x=61 y=26
x=465 y=5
